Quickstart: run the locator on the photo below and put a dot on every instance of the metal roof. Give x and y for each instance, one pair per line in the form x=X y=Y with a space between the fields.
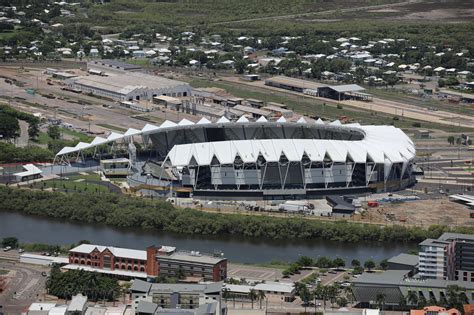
x=187 y=257
x=116 y=251
x=346 y=88
x=405 y=259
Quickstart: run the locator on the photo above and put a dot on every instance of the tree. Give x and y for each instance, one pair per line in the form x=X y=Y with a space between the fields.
x=180 y=273
x=456 y=296
x=9 y=126
x=369 y=264
x=384 y=264
x=305 y=296
x=324 y=262
x=355 y=263
x=451 y=140
x=339 y=263
x=54 y=132
x=412 y=298
x=261 y=297
x=422 y=301
x=252 y=295
x=341 y=302
x=10 y=241
x=305 y=261
x=33 y=128
x=403 y=302
x=380 y=300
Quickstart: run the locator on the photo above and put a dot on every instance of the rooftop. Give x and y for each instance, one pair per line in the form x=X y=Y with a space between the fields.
x=116 y=251
x=78 y=303
x=303 y=84
x=126 y=82
x=117 y=63
x=405 y=259
x=196 y=258
x=41 y=306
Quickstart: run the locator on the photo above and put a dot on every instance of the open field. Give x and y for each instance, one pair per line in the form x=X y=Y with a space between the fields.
x=182 y=13
x=426 y=212
x=453 y=10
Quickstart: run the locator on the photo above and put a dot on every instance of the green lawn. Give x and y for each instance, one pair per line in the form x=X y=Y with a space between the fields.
x=70 y=185
x=43 y=138
x=89 y=176
x=78 y=135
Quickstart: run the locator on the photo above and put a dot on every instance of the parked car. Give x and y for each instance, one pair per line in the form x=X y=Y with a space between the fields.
x=21 y=250
x=6 y=249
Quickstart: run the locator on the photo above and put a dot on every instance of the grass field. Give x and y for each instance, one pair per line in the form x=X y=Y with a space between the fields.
x=203 y=12
x=311 y=107
x=70 y=185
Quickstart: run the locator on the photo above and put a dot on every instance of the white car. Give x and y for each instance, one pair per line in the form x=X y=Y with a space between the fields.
x=6 y=249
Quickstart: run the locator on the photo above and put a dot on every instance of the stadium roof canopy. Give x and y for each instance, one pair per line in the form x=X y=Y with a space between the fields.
x=380 y=144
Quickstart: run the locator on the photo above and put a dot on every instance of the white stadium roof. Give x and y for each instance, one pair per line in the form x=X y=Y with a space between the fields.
x=381 y=144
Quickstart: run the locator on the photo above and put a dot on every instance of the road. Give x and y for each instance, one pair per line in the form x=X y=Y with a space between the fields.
x=25 y=285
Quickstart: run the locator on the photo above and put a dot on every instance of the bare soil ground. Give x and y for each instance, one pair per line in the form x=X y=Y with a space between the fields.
x=449 y=10
x=425 y=213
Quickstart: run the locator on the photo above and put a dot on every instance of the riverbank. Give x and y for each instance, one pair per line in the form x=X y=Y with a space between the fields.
x=131 y=212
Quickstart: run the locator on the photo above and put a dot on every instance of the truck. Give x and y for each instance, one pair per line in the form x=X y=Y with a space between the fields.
x=295 y=206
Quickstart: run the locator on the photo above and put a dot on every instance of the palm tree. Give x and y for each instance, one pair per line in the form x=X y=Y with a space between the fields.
x=261 y=296
x=412 y=298
x=380 y=299
x=403 y=302
x=320 y=293
x=252 y=295
x=225 y=294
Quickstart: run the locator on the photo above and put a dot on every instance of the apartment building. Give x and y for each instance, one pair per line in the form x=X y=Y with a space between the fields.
x=450 y=257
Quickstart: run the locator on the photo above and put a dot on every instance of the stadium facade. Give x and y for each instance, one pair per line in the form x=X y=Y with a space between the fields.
x=273 y=159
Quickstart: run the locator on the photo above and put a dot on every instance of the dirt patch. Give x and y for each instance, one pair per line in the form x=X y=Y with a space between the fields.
x=384 y=11
x=440 y=14
x=425 y=213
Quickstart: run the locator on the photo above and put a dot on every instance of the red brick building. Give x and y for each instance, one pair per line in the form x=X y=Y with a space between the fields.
x=155 y=261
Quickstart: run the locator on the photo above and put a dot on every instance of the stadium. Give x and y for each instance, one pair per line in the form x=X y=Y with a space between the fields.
x=266 y=159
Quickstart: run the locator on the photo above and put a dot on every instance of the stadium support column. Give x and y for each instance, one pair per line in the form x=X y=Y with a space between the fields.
x=263 y=176
x=371 y=172
x=349 y=177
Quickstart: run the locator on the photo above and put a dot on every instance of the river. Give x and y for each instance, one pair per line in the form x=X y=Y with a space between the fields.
x=33 y=229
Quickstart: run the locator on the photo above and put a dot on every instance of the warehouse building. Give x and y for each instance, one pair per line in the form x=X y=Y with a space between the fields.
x=293 y=84
x=344 y=92
x=109 y=65
x=130 y=86
x=336 y=92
